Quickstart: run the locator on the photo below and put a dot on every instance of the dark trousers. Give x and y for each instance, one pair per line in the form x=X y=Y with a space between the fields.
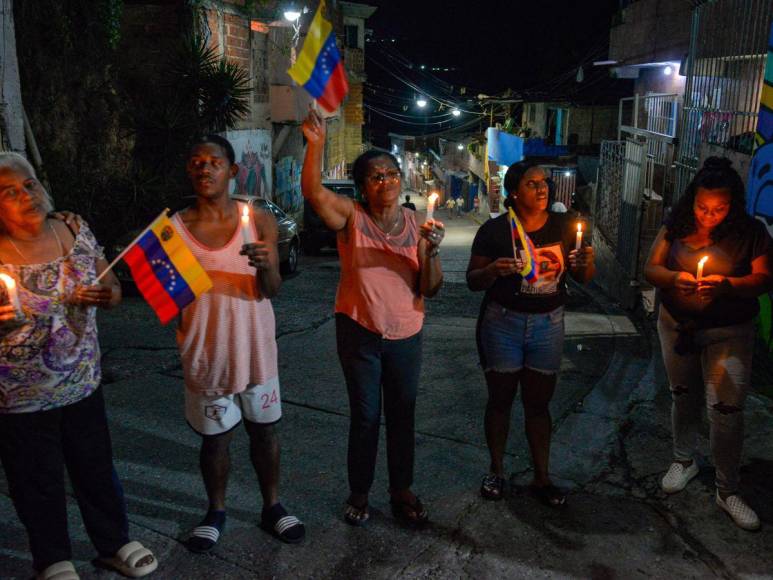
x=370 y=364
x=35 y=448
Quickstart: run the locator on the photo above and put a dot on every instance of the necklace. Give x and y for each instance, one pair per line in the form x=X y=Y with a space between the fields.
x=388 y=232
x=23 y=257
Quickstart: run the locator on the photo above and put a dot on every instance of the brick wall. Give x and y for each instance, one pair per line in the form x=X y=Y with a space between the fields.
x=353 y=142
x=602 y=121
x=353 y=110
x=651 y=31
x=335 y=147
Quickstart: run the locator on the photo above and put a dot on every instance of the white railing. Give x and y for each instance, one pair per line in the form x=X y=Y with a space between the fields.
x=651 y=115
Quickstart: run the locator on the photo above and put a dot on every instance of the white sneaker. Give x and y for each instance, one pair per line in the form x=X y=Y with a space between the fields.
x=678 y=476
x=743 y=516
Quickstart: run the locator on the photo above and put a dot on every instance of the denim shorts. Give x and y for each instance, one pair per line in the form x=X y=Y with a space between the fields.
x=512 y=340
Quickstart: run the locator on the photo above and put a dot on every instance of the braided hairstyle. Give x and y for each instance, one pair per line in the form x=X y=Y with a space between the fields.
x=716 y=173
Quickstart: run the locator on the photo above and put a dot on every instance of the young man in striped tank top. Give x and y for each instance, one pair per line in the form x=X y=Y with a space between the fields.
x=227 y=341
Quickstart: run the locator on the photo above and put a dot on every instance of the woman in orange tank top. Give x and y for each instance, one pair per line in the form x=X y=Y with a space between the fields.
x=388 y=265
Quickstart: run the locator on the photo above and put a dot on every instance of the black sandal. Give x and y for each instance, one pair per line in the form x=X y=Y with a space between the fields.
x=412 y=514
x=277 y=522
x=549 y=495
x=492 y=487
x=356 y=515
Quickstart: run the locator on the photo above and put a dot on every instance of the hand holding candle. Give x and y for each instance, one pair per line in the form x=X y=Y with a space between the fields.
x=431 y=201
x=578 y=242
x=13 y=295
x=246 y=230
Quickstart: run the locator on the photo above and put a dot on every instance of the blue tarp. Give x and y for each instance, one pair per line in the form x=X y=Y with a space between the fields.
x=536 y=147
x=504 y=148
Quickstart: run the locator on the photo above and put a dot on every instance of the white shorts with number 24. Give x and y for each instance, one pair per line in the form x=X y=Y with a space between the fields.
x=214 y=415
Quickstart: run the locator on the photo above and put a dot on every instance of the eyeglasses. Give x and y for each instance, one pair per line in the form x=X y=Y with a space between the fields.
x=531 y=184
x=379 y=178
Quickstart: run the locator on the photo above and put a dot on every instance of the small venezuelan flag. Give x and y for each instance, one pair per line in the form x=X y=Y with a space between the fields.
x=319 y=68
x=166 y=272
x=529 y=271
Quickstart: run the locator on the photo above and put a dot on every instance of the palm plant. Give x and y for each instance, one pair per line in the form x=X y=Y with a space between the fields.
x=214 y=91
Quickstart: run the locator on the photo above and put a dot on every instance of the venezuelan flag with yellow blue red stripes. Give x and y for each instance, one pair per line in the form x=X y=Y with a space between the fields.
x=530 y=270
x=319 y=68
x=166 y=272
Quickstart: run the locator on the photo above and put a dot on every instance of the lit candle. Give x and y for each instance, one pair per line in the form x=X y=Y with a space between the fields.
x=702 y=261
x=578 y=243
x=13 y=296
x=431 y=201
x=246 y=232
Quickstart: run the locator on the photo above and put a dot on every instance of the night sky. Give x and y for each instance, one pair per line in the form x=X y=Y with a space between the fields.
x=530 y=47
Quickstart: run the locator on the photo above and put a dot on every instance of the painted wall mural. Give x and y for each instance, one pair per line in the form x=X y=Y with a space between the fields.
x=760 y=188
x=253 y=154
x=288 y=185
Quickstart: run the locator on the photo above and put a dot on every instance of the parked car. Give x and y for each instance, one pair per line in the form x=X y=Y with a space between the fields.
x=315 y=234
x=289 y=241
x=288 y=244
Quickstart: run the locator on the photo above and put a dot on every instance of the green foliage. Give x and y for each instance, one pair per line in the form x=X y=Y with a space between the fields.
x=114 y=138
x=225 y=96
x=200 y=93
x=70 y=95
x=111 y=13
x=253 y=7
x=215 y=91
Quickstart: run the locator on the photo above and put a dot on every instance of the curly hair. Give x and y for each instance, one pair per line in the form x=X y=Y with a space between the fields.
x=214 y=139
x=716 y=173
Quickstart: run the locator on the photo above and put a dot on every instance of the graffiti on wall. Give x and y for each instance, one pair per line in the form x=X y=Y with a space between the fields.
x=288 y=185
x=253 y=154
x=760 y=189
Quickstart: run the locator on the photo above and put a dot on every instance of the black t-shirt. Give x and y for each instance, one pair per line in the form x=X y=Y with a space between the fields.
x=552 y=243
x=731 y=256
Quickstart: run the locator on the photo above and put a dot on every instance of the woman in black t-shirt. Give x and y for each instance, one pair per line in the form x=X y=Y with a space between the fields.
x=521 y=325
x=709 y=263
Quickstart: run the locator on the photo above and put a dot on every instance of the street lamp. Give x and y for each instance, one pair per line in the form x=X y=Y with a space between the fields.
x=668 y=70
x=421 y=102
x=460 y=147
x=292 y=12
x=456 y=112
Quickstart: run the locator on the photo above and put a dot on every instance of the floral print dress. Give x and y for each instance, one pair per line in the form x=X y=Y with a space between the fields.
x=52 y=358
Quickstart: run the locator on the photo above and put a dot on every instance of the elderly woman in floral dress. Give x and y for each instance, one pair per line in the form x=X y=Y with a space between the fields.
x=52 y=411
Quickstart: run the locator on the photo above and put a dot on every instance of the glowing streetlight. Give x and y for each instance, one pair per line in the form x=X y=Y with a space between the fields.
x=667 y=71
x=421 y=102
x=460 y=147
x=456 y=112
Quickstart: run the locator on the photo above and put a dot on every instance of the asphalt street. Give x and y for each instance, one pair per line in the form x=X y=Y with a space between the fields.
x=611 y=446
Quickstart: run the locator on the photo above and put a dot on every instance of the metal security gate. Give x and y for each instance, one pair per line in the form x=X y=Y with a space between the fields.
x=622 y=177
x=725 y=74
x=610 y=184
x=630 y=207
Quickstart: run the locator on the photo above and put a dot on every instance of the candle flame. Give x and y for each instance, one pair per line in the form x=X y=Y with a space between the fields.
x=432 y=198
x=246 y=213
x=9 y=282
x=702 y=261
x=579 y=226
